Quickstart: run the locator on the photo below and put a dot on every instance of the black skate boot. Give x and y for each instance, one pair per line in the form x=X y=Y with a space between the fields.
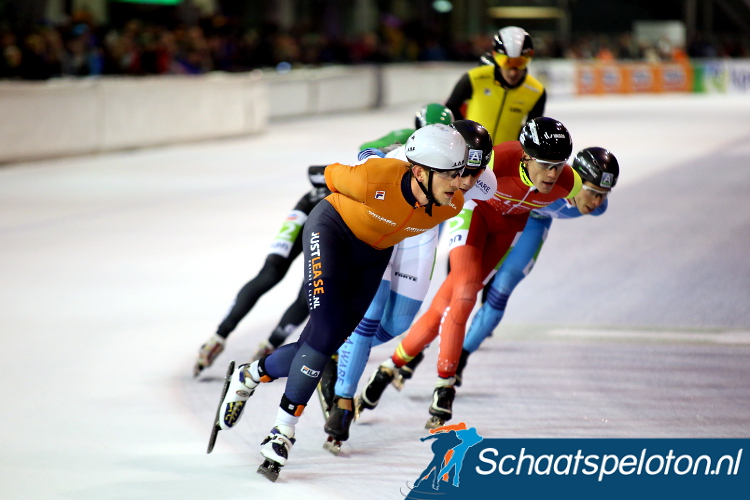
x=441 y=408
x=406 y=371
x=327 y=385
x=338 y=423
x=275 y=450
x=461 y=365
x=370 y=396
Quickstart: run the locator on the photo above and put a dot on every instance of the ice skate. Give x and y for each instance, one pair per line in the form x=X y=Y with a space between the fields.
x=441 y=408
x=275 y=450
x=216 y=428
x=264 y=349
x=406 y=372
x=370 y=396
x=327 y=386
x=208 y=353
x=241 y=387
x=338 y=423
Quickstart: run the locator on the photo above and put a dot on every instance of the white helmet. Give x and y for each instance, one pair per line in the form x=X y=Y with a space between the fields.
x=438 y=147
x=513 y=41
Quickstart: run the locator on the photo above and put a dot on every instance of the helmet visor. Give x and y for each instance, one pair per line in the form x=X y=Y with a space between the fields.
x=511 y=62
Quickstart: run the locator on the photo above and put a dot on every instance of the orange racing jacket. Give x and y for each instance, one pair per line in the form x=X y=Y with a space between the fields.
x=368 y=197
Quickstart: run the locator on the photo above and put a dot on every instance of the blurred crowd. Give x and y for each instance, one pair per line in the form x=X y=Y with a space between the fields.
x=81 y=48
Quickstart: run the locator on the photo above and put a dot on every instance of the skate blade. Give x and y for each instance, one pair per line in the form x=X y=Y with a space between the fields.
x=323 y=404
x=358 y=407
x=270 y=470
x=434 y=422
x=398 y=382
x=197 y=369
x=216 y=428
x=357 y=410
x=332 y=445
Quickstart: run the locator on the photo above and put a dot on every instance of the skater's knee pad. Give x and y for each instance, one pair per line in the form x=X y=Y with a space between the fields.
x=367 y=327
x=382 y=335
x=291 y=407
x=497 y=300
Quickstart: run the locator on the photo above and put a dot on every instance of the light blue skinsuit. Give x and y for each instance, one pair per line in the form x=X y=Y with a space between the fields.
x=516 y=266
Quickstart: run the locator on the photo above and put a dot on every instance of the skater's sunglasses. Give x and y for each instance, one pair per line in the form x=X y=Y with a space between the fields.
x=595 y=192
x=548 y=165
x=449 y=174
x=473 y=172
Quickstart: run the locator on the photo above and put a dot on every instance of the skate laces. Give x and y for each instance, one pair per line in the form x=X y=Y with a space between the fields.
x=232 y=413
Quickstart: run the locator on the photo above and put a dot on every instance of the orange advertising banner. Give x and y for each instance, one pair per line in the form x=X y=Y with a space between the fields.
x=632 y=77
x=676 y=77
x=641 y=77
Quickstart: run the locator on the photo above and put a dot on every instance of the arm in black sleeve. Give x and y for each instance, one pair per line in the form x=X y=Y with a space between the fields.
x=538 y=109
x=461 y=93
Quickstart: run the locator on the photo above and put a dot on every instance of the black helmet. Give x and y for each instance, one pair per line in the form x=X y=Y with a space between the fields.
x=478 y=140
x=546 y=139
x=598 y=166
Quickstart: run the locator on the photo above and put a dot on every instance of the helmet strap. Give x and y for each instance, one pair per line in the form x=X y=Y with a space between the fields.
x=428 y=193
x=525 y=172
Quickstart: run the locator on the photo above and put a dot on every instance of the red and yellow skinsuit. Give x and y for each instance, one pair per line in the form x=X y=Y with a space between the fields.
x=480 y=237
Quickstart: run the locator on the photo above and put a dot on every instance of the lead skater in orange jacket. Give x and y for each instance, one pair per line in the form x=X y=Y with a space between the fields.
x=531 y=173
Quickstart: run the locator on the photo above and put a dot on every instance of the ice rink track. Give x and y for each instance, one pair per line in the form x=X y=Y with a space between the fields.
x=115 y=268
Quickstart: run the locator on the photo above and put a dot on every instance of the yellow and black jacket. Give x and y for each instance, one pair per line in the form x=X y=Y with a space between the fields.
x=501 y=109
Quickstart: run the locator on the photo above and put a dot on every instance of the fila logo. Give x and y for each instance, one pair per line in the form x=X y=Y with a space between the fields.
x=310 y=372
x=380 y=195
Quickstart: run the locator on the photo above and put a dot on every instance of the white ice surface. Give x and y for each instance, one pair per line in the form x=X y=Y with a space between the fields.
x=115 y=268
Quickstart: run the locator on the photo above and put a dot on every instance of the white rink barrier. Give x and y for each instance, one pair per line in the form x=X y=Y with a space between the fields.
x=79 y=116
x=69 y=117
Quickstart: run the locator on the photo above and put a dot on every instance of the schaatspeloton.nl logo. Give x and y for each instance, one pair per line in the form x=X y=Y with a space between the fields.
x=466 y=465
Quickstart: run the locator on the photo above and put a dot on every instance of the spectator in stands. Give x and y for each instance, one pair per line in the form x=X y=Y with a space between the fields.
x=34 y=63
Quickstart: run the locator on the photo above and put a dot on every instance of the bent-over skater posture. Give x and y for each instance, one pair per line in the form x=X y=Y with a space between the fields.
x=347 y=242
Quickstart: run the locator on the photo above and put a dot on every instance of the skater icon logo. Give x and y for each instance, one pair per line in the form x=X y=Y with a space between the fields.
x=449 y=446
